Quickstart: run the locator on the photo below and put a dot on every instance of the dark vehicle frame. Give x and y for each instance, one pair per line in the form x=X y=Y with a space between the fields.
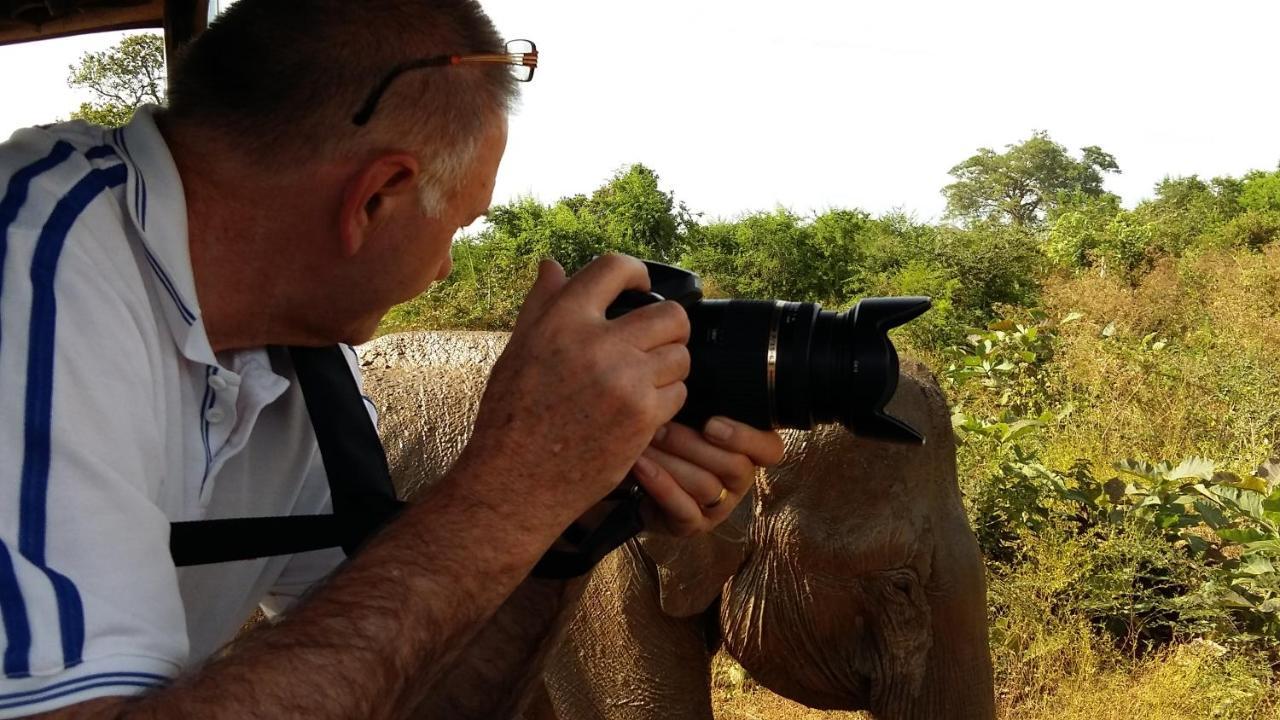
x=30 y=20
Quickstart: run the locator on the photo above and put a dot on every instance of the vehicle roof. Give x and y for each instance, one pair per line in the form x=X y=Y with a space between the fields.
x=25 y=20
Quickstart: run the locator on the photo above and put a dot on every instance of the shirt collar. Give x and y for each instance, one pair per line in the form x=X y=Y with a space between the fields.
x=158 y=209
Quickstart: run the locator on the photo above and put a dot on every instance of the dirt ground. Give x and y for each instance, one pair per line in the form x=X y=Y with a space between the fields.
x=734 y=696
x=760 y=704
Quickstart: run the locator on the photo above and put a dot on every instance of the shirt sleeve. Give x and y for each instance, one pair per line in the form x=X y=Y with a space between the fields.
x=305 y=570
x=89 y=600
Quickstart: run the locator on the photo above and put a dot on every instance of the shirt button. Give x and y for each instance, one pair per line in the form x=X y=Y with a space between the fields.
x=214 y=415
x=217 y=383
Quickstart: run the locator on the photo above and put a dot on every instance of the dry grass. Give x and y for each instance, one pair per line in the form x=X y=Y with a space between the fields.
x=1190 y=682
x=1209 y=391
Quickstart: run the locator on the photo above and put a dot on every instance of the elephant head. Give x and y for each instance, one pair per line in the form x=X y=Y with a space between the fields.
x=850 y=580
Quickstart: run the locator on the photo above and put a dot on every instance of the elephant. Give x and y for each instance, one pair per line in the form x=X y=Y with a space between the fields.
x=850 y=579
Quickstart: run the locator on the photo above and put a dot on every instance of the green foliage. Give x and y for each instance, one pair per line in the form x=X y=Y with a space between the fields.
x=1169 y=551
x=1078 y=229
x=1186 y=209
x=1022 y=185
x=1251 y=229
x=1261 y=191
x=121 y=78
x=776 y=255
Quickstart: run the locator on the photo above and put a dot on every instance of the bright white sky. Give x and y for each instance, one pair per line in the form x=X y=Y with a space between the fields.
x=744 y=105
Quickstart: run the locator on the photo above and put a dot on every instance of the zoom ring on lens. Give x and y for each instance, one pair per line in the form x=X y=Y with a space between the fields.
x=771 y=363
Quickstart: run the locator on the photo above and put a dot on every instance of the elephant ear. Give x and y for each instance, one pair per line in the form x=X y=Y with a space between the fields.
x=692 y=571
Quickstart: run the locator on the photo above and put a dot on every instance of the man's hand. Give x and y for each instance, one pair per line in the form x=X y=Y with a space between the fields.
x=695 y=480
x=575 y=397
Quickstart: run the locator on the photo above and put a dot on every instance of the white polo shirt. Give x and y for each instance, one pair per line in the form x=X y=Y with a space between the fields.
x=116 y=418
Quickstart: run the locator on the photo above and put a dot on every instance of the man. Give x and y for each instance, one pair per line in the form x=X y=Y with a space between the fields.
x=145 y=272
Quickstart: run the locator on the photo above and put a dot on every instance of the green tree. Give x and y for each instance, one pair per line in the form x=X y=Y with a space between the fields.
x=1261 y=191
x=1186 y=209
x=628 y=214
x=1078 y=228
x=1022 y=185
x=121 y=78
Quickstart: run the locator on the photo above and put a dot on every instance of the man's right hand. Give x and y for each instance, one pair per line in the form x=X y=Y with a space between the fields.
x=576 y=398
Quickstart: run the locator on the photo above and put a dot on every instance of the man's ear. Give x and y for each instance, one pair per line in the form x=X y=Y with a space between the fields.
x=373 y=193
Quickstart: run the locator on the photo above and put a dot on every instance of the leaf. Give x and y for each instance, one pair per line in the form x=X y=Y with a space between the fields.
x=1193 y=467
x=1114 y=488
x=1244 y=502
x=1269 y=546
x=1197 y=544
x=1211 y=515
x=1270 y=472
x=1160 y=345
x=1241 y=535
x=1140 y=468
x=1151 y=500
x=1020 y=429
x=1072 y=317
x=1256 y=565
x=1254 y=484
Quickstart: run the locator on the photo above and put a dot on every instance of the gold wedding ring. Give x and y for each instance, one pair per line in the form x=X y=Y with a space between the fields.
x=724 y=493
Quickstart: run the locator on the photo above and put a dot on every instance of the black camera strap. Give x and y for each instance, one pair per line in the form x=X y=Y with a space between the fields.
x=359 y=482
x=362 y=493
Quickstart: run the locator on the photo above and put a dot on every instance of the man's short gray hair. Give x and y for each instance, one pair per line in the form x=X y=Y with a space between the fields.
x=283 y=79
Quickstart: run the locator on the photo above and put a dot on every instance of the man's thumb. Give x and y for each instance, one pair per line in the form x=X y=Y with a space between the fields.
x=550 y=279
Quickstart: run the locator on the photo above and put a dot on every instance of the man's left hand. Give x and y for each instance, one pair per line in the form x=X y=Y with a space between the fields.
x=696 y=479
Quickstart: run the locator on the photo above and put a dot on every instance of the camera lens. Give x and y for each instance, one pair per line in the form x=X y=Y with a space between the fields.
x=789 y=364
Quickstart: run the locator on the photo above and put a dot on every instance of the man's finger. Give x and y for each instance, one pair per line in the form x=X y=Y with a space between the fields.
x=653 y=325
x=670 y=399
x=699 y=484
x=549 y=282
x=670 y=364
x=675 y=509
x=764 y=447
x=597 y=285
x=735 y=470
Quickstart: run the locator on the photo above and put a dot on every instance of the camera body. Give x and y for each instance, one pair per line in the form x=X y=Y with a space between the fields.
x=775 y=364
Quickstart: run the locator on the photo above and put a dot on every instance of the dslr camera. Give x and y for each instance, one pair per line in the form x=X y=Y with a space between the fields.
x=777 y=364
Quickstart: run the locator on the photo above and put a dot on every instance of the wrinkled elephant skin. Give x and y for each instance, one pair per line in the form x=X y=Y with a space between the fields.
x=850 y=581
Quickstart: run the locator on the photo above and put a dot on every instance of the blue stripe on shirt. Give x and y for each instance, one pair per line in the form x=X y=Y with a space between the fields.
x=140 y=210
x=28 y=696
x=17 y=628
x=13 y=610
x=16 y=194
x=140 y=186
x=39 y=403
x=187 y=316
x=117 y=682
x=99 y=152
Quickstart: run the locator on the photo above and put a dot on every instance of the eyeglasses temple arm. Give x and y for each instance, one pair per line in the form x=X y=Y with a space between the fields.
x=370 y=104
